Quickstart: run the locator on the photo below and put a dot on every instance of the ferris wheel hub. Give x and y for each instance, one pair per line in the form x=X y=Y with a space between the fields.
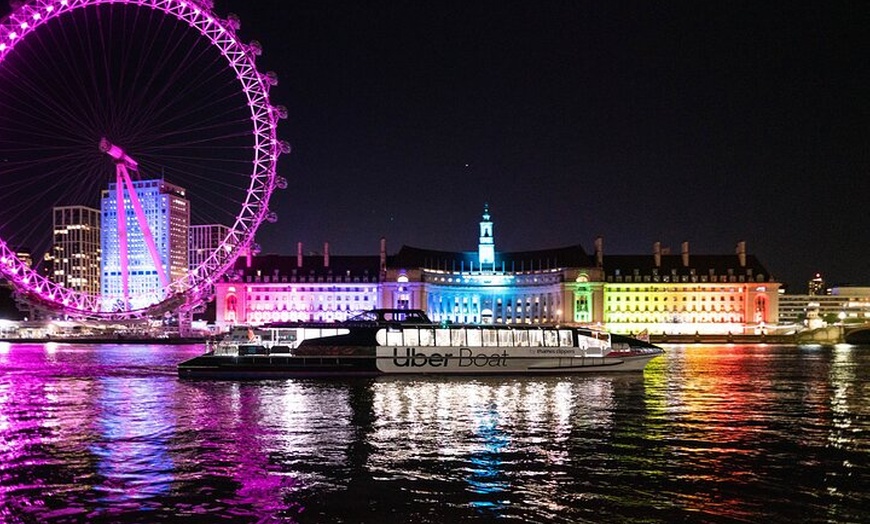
x=118 y=154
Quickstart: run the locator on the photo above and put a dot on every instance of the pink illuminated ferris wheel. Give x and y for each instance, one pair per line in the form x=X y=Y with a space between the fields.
x=125 y=126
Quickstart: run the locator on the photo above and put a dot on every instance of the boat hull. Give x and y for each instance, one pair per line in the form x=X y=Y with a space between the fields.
x=402 y=363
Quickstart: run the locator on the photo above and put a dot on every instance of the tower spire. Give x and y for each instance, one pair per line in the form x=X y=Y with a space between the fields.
x=486 y=244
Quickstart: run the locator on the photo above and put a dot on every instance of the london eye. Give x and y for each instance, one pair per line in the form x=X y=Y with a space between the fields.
x=124 y=126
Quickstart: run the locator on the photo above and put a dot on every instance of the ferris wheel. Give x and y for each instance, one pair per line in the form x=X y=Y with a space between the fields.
x=124 y=126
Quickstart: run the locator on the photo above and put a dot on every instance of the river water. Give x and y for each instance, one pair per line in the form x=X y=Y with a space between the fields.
x=706 y=434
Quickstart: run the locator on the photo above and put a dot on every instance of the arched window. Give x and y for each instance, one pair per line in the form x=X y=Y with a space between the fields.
x=230 y=305
x=761 y=308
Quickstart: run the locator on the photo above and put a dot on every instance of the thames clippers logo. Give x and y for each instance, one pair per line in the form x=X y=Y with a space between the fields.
x=466 y=358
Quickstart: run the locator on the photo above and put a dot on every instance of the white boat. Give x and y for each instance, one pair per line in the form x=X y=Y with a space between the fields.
x=391 y=341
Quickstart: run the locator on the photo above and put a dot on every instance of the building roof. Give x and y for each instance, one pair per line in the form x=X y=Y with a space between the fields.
x=627 y=265
x=311 y=264
x=414 y=257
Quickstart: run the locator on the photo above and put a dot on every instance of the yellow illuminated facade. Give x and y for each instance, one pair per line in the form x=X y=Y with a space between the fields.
x=683 y=294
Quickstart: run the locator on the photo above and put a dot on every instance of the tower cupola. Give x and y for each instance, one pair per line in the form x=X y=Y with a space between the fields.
x=486 y=245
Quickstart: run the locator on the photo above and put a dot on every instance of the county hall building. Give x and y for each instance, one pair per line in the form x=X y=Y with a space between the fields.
x=659 y=292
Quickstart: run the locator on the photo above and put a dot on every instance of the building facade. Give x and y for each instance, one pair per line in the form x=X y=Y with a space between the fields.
x=167 y=214
x=204 y=240
x=276 y=288
x=849 y=304
x=688 y=294
x=626 y=294
x=76 y=249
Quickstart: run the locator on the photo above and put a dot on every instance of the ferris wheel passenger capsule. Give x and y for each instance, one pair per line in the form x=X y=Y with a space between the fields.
x=234 y=22
x=255 y=48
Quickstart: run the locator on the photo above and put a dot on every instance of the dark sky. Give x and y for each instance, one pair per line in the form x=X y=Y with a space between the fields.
x=706 y=122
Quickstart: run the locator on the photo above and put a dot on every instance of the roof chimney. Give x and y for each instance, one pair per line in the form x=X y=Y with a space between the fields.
x=657 y=253
x=685 y=254
x=599 y=251
x=383 y=254
x=299 y=254
x=741 y=253
x=326 y=254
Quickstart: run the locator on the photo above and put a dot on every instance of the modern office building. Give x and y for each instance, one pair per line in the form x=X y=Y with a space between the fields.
x=167 y=214
x=816 y=285
x=76 y=249
x=204 y=240
x=850 y=304
x=624 y=293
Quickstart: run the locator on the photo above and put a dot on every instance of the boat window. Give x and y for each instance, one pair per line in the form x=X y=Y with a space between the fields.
x=565 y=338
x=286 y=335
x=551 y=338
x=427 y=337
x=473 y=337
x=504 y=338
x=490 y=338
x=411 y=337
x=457 y=337
x=442 y=337
x=521 y=338
x=536 y=337
x=394 y=337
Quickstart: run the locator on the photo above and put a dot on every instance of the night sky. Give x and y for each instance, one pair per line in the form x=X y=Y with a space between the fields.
x=706 y=122
x=640 y=122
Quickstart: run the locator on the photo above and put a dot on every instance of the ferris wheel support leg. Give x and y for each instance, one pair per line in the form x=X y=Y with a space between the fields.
x=143 y=225
x=122 y=236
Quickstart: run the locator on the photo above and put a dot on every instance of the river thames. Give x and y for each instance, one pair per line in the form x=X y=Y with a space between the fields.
x=755 y=433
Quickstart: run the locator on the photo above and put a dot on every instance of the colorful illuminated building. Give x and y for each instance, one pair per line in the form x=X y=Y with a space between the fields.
x=624 y=293
x=704 y=294
x=275 y=288
x=167 y=213
x=75 y=249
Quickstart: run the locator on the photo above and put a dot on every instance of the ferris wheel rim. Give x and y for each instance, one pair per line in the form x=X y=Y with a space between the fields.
x=196 y=286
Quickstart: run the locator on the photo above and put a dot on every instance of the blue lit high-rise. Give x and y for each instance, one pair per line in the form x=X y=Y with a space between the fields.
x=167 y=213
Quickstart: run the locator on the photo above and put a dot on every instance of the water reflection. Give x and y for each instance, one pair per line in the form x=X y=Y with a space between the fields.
x=485 y=475
x=232 y=430
x=135 y=426
x=755 y=419
x=707 y=433
x=512 y=441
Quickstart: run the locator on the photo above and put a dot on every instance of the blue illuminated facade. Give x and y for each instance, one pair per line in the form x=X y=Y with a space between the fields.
x=167 y=213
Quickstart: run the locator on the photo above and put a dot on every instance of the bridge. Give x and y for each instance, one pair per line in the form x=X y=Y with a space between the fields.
x=844 y=333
